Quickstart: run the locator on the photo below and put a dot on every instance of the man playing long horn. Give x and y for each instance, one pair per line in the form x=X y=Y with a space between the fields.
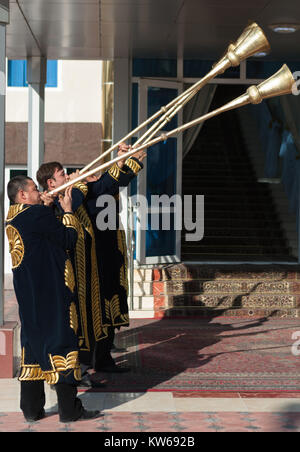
x=96 y=306
x=45 y=290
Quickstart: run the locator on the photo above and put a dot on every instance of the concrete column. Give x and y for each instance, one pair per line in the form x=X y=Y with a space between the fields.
x=4 y=19
x=36 y=78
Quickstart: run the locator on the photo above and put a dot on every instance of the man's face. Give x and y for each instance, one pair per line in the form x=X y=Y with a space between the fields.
x=59 y=178
x=30 y=195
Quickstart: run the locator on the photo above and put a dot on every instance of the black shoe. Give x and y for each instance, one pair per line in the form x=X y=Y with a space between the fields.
x=85 y=416
x=40 y=416
x=114 y=369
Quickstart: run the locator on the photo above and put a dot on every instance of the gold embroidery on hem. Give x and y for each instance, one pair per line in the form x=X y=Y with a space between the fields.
x=114 y=311
x=33 y=372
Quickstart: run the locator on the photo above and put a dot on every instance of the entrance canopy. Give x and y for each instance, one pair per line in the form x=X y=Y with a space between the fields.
x=110 y=29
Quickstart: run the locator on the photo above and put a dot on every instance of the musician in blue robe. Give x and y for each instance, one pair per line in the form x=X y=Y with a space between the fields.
x=98 y=264
x=44 y=285
x=111 y=251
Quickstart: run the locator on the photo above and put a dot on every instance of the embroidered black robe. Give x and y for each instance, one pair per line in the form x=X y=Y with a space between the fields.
x=44 y=285
x=100 y=260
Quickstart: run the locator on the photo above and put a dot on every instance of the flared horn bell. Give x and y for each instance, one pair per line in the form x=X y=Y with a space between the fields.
x=252 y=41
x=233 y=45
x=279 y=84
x=246 y=32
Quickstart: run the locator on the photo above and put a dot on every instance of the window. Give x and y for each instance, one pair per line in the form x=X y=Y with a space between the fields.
x=70 y=170
x=17 y=73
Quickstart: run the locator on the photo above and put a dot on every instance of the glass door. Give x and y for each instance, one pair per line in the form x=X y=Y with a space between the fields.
x=158 y=239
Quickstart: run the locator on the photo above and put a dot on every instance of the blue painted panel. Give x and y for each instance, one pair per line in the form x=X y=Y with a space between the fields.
x=17 y=73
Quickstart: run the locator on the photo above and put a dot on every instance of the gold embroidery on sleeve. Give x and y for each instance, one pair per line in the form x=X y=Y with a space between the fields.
x=16 y=246
x=82 y=187
x=14 y=211
x=70 y=221
x=115 y=171
x=133 y=165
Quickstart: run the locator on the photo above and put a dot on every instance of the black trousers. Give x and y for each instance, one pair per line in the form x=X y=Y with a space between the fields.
x=33 y=400
x=102 y=352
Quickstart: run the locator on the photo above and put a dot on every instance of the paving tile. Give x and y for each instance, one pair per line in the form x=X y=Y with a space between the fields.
x=272 y=405
x=165 y=422
x=209 y=404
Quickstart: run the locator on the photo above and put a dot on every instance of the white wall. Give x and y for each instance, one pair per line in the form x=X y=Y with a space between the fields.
x=76 y=99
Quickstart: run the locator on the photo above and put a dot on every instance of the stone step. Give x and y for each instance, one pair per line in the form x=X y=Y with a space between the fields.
x=241 y=233
x=238 y=206
x=246 y=313
x=263 y=242
x=230 y=287
x=217 y=167
x=230 y=258
x=236 y=215
x=233 y=198
x=227 y=272
x=224 y=190
x=197 y=247
x=144 y=303
x=242 y=223
x=267 y=301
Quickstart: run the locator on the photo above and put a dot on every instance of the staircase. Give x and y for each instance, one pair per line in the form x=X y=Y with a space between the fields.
x=248 y=290
x=240 y=219
x=228 y=272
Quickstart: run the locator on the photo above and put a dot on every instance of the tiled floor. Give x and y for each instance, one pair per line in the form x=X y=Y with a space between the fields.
x=161 y=412
x=180 y=422
x=158 y=411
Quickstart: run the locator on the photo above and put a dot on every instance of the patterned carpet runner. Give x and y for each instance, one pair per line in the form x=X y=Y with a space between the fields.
x=201 y=355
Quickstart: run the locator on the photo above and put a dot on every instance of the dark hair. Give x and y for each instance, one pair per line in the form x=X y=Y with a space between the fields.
x=46 y=172
x=16 y=184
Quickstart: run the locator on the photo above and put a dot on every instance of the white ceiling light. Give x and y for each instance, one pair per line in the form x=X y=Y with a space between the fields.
x=285 y=28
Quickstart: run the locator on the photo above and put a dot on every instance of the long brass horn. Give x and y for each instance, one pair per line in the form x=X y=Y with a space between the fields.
x=279 y=84
x=250 y=42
